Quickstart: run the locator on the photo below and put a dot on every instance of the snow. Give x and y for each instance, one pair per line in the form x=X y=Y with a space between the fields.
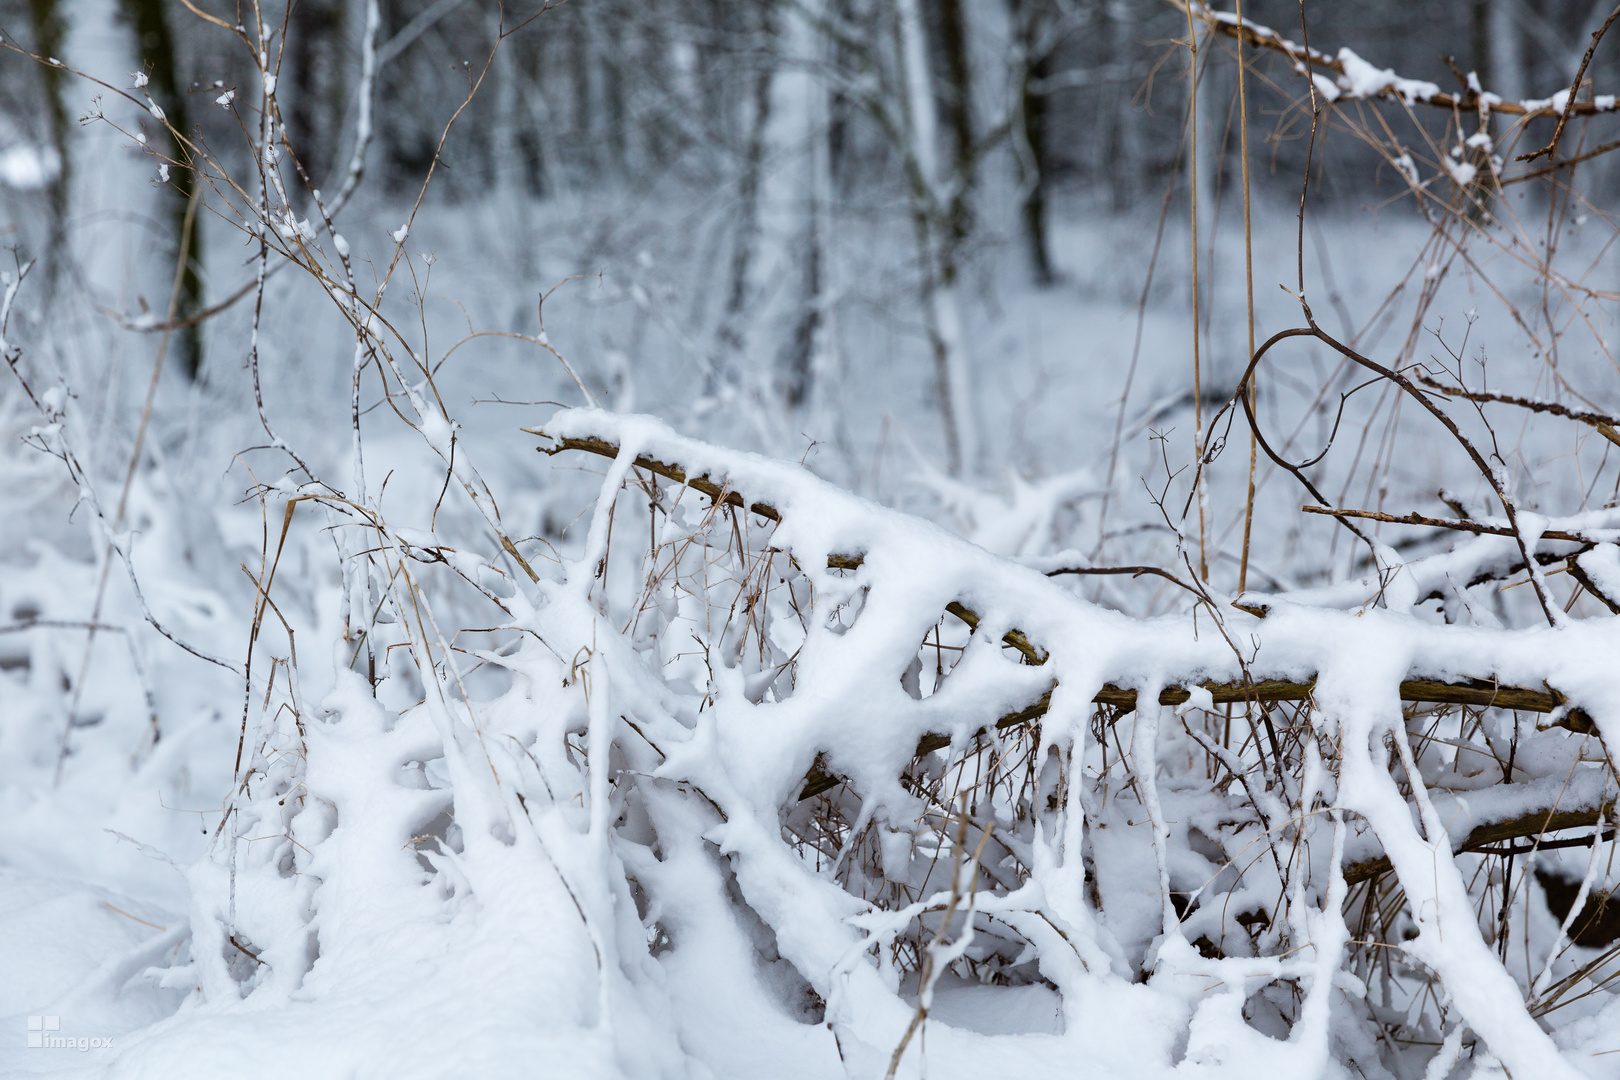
x=28 y=168
x=1361 y=79
x=1461 y=172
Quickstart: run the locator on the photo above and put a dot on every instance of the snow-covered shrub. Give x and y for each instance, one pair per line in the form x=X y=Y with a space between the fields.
x=778 y=759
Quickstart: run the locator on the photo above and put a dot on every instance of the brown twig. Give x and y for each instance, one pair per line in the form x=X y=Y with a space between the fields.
x=1574 y=88
x=1248 y=284
x=1606 y=425
x=1476 y=527
x=1596 y=151
x=1469 y=101
x=1482 y=837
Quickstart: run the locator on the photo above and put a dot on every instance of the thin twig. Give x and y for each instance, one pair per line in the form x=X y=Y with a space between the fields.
x=1574 y=88
x=1476 y=527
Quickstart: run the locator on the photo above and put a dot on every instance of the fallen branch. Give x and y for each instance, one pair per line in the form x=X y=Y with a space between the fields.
x=1479 y=693
x=1478 y=528
x=1535 y=823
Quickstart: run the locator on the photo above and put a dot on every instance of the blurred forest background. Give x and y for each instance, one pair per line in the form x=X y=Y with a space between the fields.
x=766 y=157
x=838 y=221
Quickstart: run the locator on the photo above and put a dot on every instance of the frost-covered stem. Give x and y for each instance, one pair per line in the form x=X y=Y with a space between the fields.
x=1145 y=764
x=9 y=352
x=1328 y=936
x=939 y=955
x=1449 y=939
x=1064 y=878
x=134 y=463
x=1194 y=174
x=357 y=448
x=599 y=744
x=584 y=573
x=1576 y=908
x=267 y=156
x=1248 y=283
x=599 y=747
x=349 y=303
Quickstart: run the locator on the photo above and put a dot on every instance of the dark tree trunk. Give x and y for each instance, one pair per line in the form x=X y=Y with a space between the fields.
x=154 y=45
x=1026 y=20
x=748 y=225
x=953 y=38
x=49 y=30
x=1035 y=230
x=315 y=62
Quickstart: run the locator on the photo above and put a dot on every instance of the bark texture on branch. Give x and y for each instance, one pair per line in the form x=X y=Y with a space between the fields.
x=1475 y=692
x=1483 y=837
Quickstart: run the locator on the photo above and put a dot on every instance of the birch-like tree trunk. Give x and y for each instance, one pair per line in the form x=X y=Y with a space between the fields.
x=1506 y=74
x=740 y=289
x=802 y=187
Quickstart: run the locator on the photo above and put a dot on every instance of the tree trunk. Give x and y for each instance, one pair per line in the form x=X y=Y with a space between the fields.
x=936 y=248
x=802 y=107
x=1124 y=165
x=1506 y=74
x=953 y=39
x=747 y=237
x=1033 y=164
x=154 y=45
x=49 y=32
x=315 y=60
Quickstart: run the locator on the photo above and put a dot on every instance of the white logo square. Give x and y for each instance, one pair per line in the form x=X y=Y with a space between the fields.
x=38 y=1025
